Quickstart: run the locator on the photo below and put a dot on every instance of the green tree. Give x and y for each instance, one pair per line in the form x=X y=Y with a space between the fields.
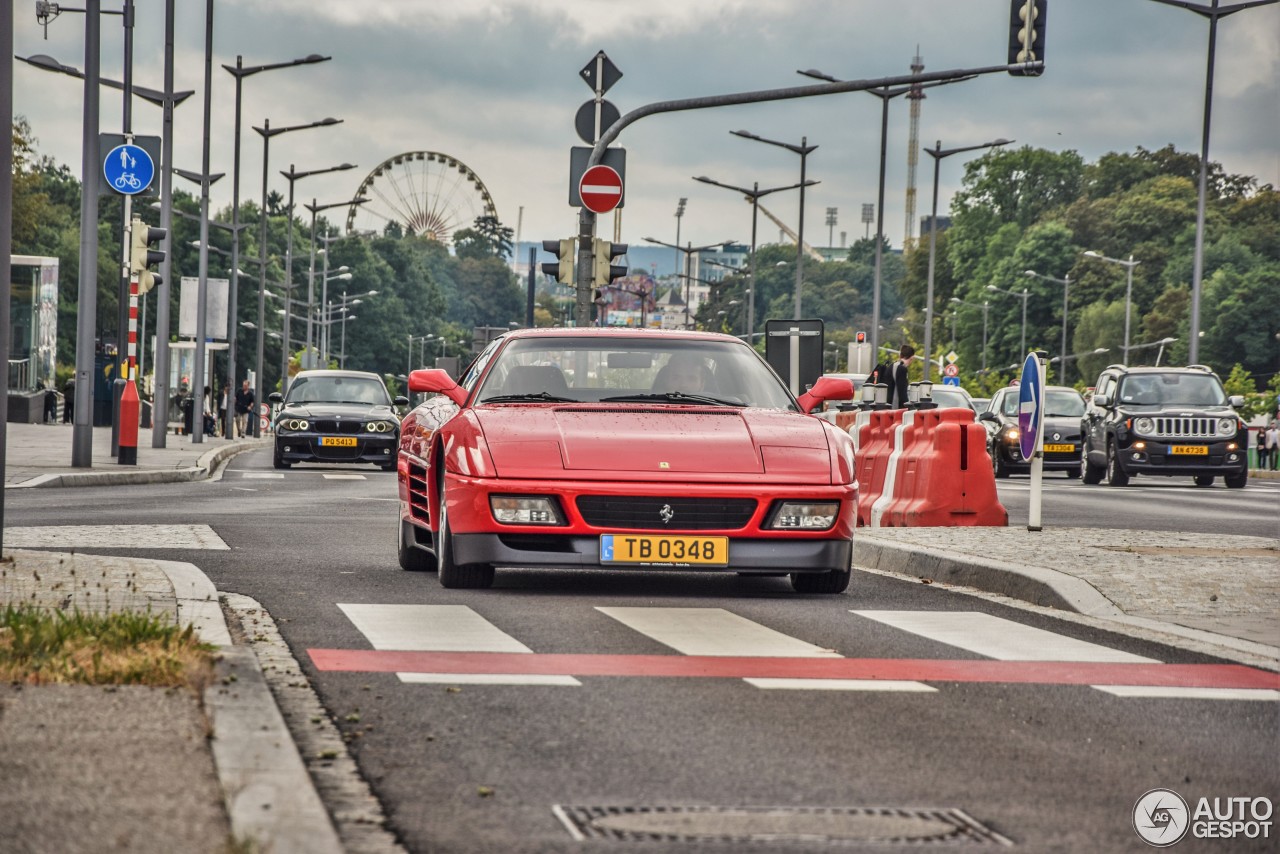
x=1100 y=325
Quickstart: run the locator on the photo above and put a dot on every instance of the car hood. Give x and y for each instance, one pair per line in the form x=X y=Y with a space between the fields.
x=1066 y=426
x=338 y=410
x=689 y=443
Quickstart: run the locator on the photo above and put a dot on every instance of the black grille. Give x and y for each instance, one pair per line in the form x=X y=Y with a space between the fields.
x=687 y=514
x=328 y=425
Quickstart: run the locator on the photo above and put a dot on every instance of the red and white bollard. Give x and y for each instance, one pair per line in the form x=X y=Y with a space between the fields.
x=130 y=405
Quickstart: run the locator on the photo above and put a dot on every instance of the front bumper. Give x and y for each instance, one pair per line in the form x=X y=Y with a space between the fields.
x=375 y=448
x=565 y=550
x=1156 y=457
x=1012 y=457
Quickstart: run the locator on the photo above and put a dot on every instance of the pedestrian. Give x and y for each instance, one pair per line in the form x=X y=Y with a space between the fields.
x=898 y=379
x=244 y=408
x=1263 y=450
x=1273 y=443
x=68 y=399
x=223 y=424
x=209 y=427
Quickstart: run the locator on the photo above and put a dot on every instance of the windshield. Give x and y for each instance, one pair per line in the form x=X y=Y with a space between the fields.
x=1171 y=389
x=338 y=390
x=644 y=369
x=1062 y=403
x=947 y=398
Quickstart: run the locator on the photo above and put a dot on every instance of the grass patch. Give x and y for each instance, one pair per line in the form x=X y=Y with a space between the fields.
x=39 y=647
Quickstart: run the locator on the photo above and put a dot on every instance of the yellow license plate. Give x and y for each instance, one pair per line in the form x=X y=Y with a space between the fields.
x=1189 y=450
x=1059 y=449
x=662 y=550
x=338 y=441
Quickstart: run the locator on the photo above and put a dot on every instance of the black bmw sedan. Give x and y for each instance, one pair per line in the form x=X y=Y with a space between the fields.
x=1063 y=407
x=336 y=417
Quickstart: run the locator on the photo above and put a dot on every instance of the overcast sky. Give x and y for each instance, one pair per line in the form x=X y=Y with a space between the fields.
x=494 y=83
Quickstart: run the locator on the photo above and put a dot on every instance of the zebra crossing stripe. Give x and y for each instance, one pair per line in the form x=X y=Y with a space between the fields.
x=998 y=638
x=345 y=477
x=713 y=631
x=1166 y=692
x=115 y=537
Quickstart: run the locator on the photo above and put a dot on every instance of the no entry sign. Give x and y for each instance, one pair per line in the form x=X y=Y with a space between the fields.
x=600 y=189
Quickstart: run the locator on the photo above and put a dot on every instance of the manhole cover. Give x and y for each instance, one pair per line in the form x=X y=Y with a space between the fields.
x=834 y=825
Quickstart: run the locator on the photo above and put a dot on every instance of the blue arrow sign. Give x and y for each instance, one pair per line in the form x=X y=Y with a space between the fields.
x=128 y=169
x=1030 y=401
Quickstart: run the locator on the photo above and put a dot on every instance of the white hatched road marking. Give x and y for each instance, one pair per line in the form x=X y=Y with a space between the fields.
x=1171 y=692
x=840 y=684
x=998 y=638
x=345 y=477
x=262 y=475
x=115 y=537
x=442 y=628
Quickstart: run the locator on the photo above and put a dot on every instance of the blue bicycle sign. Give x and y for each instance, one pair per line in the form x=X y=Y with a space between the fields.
x=128 y=169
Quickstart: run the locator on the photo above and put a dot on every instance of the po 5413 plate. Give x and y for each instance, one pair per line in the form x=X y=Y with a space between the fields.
x=338 y=441
x=663 y=550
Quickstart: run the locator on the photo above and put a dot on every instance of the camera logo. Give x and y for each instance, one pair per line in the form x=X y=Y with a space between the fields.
x=1161 y=817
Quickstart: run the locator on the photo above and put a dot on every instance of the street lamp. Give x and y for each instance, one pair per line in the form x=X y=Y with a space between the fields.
x=266 y=132
x=1161 y=344
x=1064 y=359
x=1213 y=13
x=803 y=149
x=1128 y=291
x=754 y=194
x=1066 y=290
x=1022 y=348
x=292 y=176
x=311 y=269
x=885 y=95
x=688 y=265
x=985 y=306
x=937 y=153
x=679 y=216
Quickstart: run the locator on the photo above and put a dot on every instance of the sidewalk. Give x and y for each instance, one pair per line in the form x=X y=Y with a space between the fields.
x=176 y=772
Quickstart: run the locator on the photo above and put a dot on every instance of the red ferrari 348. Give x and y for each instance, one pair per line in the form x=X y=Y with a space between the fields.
x=616 y=449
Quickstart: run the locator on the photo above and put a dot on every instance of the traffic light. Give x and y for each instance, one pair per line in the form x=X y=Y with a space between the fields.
x=860 y=337
x=1026 y=37
x=562 y=269
x=142 y=256
x=603 y=270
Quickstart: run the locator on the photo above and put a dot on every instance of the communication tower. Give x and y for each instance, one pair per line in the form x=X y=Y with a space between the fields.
x=915 y=96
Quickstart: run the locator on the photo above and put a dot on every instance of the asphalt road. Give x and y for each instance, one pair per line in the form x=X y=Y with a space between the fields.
x=469 y=767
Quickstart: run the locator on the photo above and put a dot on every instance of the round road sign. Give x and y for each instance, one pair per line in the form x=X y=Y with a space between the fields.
x=950 y=371
x=1030 y=404
x=600 y=189
x=128 y=169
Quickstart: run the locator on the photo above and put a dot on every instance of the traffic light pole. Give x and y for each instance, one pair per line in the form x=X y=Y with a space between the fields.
x=582 y=279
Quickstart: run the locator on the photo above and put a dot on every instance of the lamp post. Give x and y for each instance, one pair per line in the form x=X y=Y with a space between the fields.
x=1128 y=291
x=885 y=94
x=1066 y=291
x=803 y=149
x=1213 y=13
x=688 y=264
x=1064 y=359
x=239 y=71
x=1022 y=347
x=345 y=300
x=985 y=306
x=311 y=269
x=266 y=132
x=938 y=153
x=754 y=194
x=679 y=216
x=293 y=176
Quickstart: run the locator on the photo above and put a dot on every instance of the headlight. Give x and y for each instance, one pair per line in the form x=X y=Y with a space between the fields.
x=1145 y=426
x=524 y=510
x=1011 y=434
x=805 y=515
x=294 y=424
x=379 y=426
x=1226 y=426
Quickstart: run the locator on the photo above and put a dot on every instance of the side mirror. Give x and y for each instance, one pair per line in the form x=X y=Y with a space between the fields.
x=826 y=388
x=1236 y=401
x=400 y=400
x=1101 y=400
x=276 y=397
x=989 y=416
x=437 y=381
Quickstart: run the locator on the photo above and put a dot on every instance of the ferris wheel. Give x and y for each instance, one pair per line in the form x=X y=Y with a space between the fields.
x=424 y=192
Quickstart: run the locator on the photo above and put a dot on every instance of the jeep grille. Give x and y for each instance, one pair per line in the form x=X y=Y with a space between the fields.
x=1186 y=428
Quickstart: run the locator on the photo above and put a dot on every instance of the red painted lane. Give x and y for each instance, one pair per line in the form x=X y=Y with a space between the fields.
x=917 y=670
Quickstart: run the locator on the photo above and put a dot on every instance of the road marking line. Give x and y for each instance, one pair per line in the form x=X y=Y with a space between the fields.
x=840 y=685
x=115 y=537
x=998 y=638
x=1160 y=692
x=435 y=628
x=262 y=475
x=713 y=631
x=345 y=477
x=486 y=679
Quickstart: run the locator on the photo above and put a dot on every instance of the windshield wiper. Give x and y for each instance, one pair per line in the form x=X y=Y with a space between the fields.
x=671 y=397
x=536 y=396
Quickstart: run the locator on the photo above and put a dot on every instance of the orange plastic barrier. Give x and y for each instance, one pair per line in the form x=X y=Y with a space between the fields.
x=875 y=443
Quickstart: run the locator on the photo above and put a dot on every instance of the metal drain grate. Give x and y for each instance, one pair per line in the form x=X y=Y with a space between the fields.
x=739 y=825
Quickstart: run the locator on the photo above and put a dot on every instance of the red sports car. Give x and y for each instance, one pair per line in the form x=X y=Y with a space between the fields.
x=624 y=450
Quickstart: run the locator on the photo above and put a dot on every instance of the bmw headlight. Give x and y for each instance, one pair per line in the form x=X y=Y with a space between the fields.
x=804 y=515
x=1226 y=426
x=1145 y=426
x=379 y=426
x=524 y=510
x=294 y=425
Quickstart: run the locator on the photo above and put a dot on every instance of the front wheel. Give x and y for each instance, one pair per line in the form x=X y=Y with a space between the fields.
x=277 y=459
x=1089 y=473
x=834 y=581
x=1115 y=474
x=454 y=574
x=1236 y=481
x=1203 y=480
x=998 y=464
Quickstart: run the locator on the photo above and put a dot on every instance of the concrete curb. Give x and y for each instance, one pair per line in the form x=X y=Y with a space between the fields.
x=204 y=467
x=1045 y=587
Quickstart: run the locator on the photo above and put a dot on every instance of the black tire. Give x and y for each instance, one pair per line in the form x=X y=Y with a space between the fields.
x=277 y=460
x=412 y=558
x=998 y=464
x=1089 y=473
x=388 y=467
x=834 y=581
x=1203 y=480
x=452 y=574
x=1115 y=474
x=1236 y=481
x=1073 y=473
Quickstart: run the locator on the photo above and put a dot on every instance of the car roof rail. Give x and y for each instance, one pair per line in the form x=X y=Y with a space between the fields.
x=1114 y=368
x=1205 y=368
